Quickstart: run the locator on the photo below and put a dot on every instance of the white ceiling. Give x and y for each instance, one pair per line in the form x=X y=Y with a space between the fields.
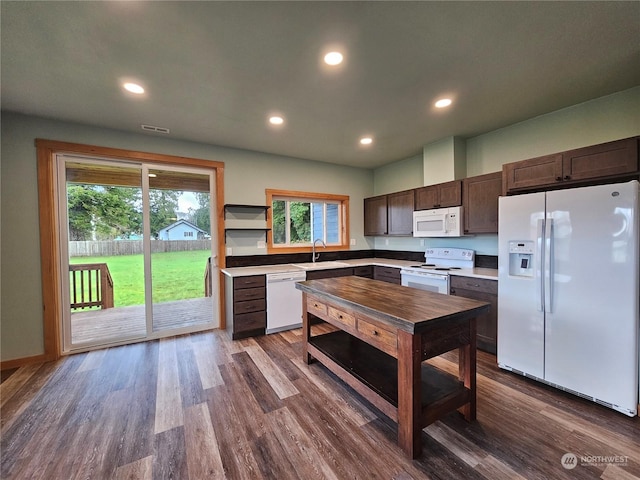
x=213 y=71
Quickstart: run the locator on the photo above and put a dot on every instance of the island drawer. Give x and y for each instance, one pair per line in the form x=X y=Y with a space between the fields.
x=316 y=307
x=385 y=339
x=341 y=317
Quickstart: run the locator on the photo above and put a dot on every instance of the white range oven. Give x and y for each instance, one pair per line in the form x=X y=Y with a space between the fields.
x=433 y=275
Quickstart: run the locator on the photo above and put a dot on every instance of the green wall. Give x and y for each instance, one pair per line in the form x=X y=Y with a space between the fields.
x=247 y=174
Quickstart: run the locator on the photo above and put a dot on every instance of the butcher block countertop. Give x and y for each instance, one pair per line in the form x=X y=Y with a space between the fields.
x=405 y=308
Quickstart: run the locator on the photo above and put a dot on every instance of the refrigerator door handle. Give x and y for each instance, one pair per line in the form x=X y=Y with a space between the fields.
x=548 y=266
x=540 y=230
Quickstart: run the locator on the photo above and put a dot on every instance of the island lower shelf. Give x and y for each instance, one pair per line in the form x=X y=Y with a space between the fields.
x=377 y=373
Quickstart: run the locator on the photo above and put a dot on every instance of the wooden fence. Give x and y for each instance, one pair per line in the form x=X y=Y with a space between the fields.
x=108 y=248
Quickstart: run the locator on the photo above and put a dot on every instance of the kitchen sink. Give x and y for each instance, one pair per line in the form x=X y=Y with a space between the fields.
x=320 y=265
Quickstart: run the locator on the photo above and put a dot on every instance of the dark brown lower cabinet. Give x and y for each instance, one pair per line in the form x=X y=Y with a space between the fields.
x=365 y=271
x=485 y=291
x=386 y=274
x=246 y=306
x=329 y=273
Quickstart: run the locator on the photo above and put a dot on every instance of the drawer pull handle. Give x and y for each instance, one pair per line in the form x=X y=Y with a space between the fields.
x=340 y=317
x=375 y=332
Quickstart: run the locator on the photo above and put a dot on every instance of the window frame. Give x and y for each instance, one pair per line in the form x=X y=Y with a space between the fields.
x=290 y=195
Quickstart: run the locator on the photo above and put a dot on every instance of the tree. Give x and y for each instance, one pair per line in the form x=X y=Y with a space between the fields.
x=201 y=217
x=163 y=208
x=300 y=213
x=103 y=212
x=299 y=222
x=81 y=203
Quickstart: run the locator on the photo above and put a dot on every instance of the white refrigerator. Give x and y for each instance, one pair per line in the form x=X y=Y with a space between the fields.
x=568 y=291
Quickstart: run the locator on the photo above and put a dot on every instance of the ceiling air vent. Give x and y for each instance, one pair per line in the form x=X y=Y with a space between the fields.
x=151 y=128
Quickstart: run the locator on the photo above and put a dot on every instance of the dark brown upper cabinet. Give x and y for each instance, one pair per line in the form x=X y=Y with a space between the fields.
x=583 y=166
x=448 y=194
x=400 y=213
x=375 y=215
x=389 y=214
x=480 y=201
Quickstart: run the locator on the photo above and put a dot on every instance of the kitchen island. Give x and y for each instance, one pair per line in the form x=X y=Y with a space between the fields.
x=385 y=332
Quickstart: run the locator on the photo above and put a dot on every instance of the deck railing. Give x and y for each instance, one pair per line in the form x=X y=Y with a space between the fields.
x=91 y=286
x=207 y=279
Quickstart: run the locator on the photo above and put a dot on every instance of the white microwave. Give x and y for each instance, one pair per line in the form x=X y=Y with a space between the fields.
x=440 y=222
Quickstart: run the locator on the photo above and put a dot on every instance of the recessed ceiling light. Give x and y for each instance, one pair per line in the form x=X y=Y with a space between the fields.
x=276 y=120
x=133 y=88
x=443 y=102
x=366 y=141
x=333 y=58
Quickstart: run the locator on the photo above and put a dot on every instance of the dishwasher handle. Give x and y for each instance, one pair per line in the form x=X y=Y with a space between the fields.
x=280 y=277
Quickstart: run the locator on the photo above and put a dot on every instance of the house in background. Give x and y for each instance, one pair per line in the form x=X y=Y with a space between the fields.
x=182 y=230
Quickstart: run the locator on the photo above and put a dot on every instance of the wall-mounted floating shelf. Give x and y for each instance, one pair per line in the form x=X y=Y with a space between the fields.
x=237 y=206
x=232 y=206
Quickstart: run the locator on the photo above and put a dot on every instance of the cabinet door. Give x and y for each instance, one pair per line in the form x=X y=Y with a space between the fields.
x=364 y=271
x=426 y=197
x=450 y=194
x=387 y=274
x=534 y=172
x=606 y=159
x=400 y=211
x=484 y=291
x=480 y=201
x=375 y=215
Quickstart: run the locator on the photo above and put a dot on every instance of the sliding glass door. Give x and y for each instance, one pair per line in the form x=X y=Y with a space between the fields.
x=181 y=254
x=139 y=260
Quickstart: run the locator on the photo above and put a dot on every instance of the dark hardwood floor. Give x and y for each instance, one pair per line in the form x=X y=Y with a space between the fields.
x=201 y=406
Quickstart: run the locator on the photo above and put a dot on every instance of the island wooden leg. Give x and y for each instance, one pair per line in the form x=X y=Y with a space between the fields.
x=467 y=371
x=306 y=330
x=409 y=394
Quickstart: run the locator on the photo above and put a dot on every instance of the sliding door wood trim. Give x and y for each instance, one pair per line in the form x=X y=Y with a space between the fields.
x=49 y=225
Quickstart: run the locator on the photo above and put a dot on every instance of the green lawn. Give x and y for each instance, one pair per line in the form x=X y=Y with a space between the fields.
x=175 y=276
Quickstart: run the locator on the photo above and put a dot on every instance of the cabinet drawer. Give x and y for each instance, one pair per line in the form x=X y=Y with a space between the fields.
x=249 y=294
x=316 y=307
x=341 y=317
x=249 y=282
x=476 y=284
x=249 y=321
x=378 y=336
x=249 y=306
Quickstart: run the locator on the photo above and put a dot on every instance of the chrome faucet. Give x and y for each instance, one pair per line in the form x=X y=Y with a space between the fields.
x=315 y=257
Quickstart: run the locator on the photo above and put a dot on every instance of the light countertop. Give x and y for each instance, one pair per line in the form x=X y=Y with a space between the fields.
x=488 y=273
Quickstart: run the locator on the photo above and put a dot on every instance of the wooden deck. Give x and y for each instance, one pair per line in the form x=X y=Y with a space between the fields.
x=119 y=323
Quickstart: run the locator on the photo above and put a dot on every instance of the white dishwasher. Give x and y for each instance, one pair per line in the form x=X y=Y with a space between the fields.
x=284 y=301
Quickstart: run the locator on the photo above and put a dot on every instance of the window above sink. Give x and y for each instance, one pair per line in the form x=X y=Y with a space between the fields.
x=296 y=219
